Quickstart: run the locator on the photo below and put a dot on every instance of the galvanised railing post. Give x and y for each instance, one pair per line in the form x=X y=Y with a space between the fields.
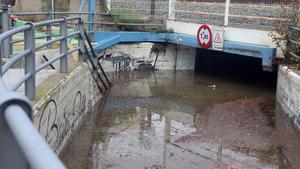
x=11 y=155
x=29 y=40
x=10 y=25
x=49 y=30
x=94 y=25
x=5 y=27
x=64 y=46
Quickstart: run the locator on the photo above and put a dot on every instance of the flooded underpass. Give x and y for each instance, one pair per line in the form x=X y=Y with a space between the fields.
x=209 y=119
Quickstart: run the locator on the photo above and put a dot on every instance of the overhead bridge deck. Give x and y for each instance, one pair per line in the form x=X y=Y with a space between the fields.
x=105 y=40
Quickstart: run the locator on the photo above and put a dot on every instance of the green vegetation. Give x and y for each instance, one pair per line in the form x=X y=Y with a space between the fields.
x=127 y=16
x=291 y=14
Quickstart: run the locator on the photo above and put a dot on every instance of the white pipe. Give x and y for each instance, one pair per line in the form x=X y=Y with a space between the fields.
x=172 y=4
x=227 y=4
x=53 y=8
x=35 y=149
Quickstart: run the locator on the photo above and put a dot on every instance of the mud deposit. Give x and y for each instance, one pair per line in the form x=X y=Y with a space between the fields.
x=179 y=120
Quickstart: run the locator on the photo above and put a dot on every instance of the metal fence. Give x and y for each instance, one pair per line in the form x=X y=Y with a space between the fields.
x=256 y=14
x=263 y=2
x=30 y=48
x=228 y=13
x=294 y=44
x=22 y=140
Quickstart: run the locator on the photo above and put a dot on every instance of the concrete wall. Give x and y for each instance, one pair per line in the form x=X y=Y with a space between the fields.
x=60 y=111
x=288 y=114
x=170 y=56
x=288 y=93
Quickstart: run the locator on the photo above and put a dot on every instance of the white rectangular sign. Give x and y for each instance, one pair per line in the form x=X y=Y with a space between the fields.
x=218 y=40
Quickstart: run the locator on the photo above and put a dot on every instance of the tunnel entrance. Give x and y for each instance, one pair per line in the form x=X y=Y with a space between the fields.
x=234 y=67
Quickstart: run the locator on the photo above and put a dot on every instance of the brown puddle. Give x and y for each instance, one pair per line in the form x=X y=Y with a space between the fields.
x=179 y=120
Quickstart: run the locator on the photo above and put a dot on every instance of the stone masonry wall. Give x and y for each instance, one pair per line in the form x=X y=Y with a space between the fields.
x=259 y=16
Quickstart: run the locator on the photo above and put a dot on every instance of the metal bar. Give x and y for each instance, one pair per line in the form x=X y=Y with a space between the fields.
x=74 y=18
x=73 y=50
x=49 y=42
x=5 y=28
x=294 y=55
x=74 y=13
x=29 y=35
x=129 y=24
x=49 y=33
x=94 y=54
x=21 y=81
x=9 y=33
x=10 y=23
x=94 y=26
x=142 y=10
x=13 y=60
x=30 y=13
x=93 y=69
x=91 y=7
x=64 y=47
x=81 y=42
x=46 y=59
x=38 y=37
x=227 y=3
x=294 y=42
x=231 y=15
x=73 y=34
x=44 y=65
x=34 y=147
x=44 y=23
x=53 y=8
x=295 y=28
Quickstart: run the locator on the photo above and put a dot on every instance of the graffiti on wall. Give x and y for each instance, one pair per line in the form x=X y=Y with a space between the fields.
x=55 y=126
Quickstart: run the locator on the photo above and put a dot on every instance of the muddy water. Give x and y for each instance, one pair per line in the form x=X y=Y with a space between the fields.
x=180 y=120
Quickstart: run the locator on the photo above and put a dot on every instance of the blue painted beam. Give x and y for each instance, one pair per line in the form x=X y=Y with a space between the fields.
x=107 y=39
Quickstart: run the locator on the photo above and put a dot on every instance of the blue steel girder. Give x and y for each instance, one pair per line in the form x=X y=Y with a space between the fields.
x=107 y=39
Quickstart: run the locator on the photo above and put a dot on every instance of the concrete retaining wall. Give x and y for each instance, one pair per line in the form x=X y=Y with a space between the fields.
x=288 y=93
x=170 y=56
x=60 y=111
x=58 y=114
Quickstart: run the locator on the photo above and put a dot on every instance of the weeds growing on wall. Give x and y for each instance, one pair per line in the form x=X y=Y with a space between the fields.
x=290 y=11
x=127 y=16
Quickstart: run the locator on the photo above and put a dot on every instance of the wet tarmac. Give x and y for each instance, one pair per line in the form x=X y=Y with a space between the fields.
x=179 y=120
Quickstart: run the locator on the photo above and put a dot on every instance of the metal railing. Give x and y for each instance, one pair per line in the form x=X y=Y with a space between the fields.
x=294 y=44
x=21 y=141
x=30 y=48
x=21 y=144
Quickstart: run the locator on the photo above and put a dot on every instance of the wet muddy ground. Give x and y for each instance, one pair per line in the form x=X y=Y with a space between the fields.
x=179 y=120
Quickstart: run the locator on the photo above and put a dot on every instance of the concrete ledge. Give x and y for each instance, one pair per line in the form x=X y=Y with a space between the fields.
x=288 y=93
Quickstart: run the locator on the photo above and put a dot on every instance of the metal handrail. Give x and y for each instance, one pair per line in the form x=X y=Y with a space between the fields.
x=16 y=109
x=292 y=41
x=30 y=48
x=17 y=128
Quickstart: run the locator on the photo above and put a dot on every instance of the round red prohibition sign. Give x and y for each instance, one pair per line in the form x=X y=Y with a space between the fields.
x=204 y=36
